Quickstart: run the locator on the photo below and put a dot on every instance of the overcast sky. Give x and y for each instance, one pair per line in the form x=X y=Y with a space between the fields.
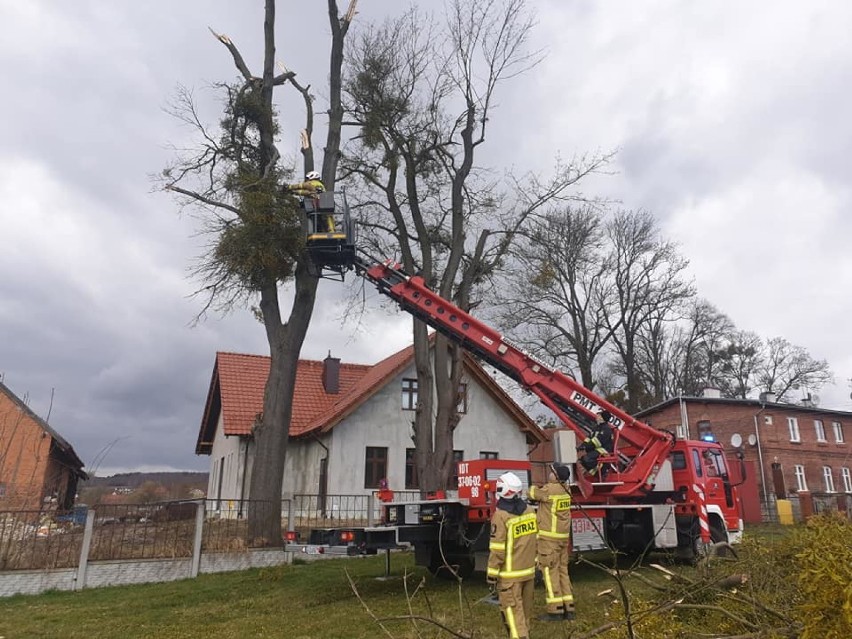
x=732 y=120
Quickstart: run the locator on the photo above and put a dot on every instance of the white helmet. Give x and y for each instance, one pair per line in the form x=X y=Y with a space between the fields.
x=313 y=175
x=508 y=486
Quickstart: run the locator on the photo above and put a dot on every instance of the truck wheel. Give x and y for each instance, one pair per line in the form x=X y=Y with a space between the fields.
x=719 y=536
x=690 y=547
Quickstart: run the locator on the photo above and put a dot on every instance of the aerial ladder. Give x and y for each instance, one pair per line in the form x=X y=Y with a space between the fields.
x=638 y=448
x=646 y=466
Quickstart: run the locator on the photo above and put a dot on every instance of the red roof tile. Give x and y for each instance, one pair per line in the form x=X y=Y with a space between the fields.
x=242 y=380
x=239 y=381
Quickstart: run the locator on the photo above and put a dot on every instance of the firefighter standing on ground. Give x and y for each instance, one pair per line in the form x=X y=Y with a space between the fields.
x=554 y=535
x=311 y=188
x=511 y=562
x=598 y=443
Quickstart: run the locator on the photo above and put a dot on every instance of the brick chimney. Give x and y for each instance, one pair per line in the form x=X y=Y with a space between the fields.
x=331 y=374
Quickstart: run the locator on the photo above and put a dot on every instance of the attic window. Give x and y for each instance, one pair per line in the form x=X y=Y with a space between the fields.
x=409 y=394
x=461 y=406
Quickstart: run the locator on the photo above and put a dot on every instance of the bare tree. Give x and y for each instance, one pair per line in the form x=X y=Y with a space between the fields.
x=422 y=96
x=787 y=367
x=740 y=360
x=647 y=272
x=706 y=331
x=678 y=355
x=555 y=301
x=258 y=233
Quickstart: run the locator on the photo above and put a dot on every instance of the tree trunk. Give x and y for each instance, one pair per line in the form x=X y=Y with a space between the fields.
x=272 y=431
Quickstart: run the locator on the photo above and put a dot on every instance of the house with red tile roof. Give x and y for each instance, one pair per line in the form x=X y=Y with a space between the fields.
x=351 y=424
x=37 y=466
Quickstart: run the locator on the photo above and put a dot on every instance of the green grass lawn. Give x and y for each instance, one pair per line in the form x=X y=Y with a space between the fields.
x=298 y=602
x=307 y=601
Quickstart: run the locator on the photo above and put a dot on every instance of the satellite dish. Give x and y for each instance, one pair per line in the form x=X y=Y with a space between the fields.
x=752 y=439
x=736 y=440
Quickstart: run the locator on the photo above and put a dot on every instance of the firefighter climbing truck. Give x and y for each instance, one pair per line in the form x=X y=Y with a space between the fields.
x=654 y=491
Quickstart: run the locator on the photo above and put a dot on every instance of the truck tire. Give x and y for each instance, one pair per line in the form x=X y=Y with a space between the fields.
x=719 y=537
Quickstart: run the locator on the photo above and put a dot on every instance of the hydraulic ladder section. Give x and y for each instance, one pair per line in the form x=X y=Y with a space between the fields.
x=639 y=448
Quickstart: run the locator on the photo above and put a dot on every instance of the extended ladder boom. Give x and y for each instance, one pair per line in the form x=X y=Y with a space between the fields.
x=640 y=449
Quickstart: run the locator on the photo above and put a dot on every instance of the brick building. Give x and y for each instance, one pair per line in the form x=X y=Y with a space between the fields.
x=788 y=449
x=36 y=463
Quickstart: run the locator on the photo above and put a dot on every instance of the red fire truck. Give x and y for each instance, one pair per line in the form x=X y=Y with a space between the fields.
x=659 y=492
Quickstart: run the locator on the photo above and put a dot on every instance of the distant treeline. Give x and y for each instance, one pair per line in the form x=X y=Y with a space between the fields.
x=135 y=480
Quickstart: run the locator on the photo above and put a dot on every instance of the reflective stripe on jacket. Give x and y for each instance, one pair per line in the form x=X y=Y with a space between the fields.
x=554 y=510
x=513 y=545
x=307 y=189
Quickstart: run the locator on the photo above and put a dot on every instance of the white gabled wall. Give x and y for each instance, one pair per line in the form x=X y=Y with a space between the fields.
x=382 y=422
x=226 y=465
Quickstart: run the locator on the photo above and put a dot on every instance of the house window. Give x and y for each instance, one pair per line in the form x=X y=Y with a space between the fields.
x=828 y=479
x=838 y=432
x=488 y=454
x=767 y=419
x=458 y=455
x=800 y=478
x=411 y=482
x=793 y=427
x=409 y=394
x=376 y=466
x=3 y=488
x=847 y=479
x=705 y=431
x=461 y=406
x=819 y=428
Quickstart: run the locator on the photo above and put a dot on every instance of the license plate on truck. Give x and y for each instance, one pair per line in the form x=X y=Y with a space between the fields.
x=587 y=530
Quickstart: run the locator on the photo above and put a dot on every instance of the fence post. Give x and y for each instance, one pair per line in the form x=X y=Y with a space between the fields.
x=88 y=531
x=291 y=514
x=371 y=504
x=196 y=542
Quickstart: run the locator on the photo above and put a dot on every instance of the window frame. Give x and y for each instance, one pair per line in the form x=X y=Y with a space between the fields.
x=697 y=463
x=489 y=454
x=678 y=460
x=461 y=405
x=793 y=430
x=376 y=465
x=801 y=479
x=828 y=479
x=819 y=429
x=837 y=427
x=410 y=396
x=846 y=476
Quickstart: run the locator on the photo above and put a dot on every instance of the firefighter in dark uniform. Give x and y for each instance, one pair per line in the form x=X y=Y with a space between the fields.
x=511 y=562
x=554 y=542
x=597 y=444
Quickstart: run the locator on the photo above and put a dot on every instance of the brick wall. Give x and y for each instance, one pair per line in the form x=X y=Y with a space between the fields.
x=729 y=417
x=24 y=457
